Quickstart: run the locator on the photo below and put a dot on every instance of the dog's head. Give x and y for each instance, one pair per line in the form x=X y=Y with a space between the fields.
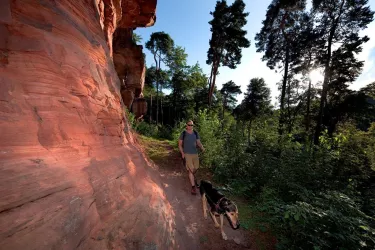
x=231 y=212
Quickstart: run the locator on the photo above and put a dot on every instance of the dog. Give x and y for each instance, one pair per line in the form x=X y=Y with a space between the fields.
x=219 y=206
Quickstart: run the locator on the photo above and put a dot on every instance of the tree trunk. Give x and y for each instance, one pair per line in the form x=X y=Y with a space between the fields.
x=211 y=92
x=216 y=64
x=175 y=107
x=327 y=75
x=169 y=114
x=283 y=90
x=307 y=119
x=161 y=105
x=323 y=98
x=209 y=85
x=289 y=111
x=157 y=102
x=151 y=109
x=157 y=88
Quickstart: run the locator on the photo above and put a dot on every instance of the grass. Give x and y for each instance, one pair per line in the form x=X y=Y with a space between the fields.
x=158 y=150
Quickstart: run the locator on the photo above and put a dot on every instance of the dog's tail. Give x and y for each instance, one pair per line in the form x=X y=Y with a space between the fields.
x=204 y=186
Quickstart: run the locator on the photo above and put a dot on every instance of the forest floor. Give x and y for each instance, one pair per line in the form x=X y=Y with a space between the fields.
x=192 y=230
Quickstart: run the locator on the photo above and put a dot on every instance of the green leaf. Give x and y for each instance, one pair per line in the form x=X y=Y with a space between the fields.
x=296 y=217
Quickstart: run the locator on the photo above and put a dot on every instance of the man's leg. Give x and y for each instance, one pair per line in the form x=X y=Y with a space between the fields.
x=191 y=177
x=196 y=167
x=190 y=167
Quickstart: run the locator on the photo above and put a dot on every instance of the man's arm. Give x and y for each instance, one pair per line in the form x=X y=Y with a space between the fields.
x=180 y=148
x=200 y=145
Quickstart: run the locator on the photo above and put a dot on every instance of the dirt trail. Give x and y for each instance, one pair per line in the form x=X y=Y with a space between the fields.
x=192 y=230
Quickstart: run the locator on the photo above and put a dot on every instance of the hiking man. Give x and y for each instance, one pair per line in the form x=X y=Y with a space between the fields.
x=187 y=143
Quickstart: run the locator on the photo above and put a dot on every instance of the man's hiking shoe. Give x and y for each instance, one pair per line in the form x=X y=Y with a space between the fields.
x=193 y=190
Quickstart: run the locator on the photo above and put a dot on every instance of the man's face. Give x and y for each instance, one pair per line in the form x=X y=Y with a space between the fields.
x=189 y=125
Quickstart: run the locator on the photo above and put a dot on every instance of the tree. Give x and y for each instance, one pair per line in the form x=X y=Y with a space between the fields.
x=227 y=40
x=136 y=38
x=256 y=102
x=369 y=90
x=185 y=83
x=153 y=76
x=339 y=24
x=279 y=40
x=160 y=45
x=229 y=92
x=177 y=60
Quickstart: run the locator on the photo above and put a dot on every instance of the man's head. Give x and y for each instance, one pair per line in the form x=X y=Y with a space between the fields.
x=231 y=212
x=190 y=125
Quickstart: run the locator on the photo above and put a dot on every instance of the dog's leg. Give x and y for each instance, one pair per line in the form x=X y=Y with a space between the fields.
x=221 y=227
x=204 y=204
x=214 y=219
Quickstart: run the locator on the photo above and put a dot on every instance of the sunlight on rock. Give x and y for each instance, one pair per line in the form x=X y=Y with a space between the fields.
x=131 y=168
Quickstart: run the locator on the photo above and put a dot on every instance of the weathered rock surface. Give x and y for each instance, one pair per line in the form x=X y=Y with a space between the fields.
x=70 y=178
x=130 y=66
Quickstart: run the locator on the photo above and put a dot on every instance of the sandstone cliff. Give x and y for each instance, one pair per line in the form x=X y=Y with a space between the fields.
x=69 y=176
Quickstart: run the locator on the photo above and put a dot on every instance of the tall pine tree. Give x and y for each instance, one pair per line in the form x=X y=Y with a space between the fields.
x=160 y=45
x=228 y=39
x=278 y=39
x=339 y=23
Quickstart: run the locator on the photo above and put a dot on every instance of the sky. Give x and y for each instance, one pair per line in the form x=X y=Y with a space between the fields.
x=186 y=21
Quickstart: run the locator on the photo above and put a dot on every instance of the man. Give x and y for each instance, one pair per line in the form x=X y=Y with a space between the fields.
x=187 y=143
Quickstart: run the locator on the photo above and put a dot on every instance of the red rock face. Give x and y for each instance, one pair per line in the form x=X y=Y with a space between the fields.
x=69 y=175
x=130 y=67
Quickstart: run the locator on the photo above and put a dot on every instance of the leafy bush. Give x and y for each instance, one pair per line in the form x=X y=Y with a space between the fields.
x=209 y=127
x=329 y=220
x=311 y=198
x=146 y=129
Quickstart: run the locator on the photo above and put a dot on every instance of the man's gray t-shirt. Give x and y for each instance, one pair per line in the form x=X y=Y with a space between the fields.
x=189 y=143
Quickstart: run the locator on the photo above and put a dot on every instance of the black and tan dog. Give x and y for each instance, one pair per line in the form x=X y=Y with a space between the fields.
x=219 y=206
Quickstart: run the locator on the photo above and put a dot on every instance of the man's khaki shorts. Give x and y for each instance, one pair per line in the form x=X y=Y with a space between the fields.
x=192 y=162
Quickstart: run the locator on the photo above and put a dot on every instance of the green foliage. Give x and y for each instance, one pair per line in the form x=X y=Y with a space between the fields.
x=310 y=198
x=177 y=59
x=330 y=220
x=369 y=90
x=208 y=126
x=153 y=130
x=229 y=91
x=160 y=45
x=131 y=117
x=257 y=99
x=146 y=129
x=136 y=38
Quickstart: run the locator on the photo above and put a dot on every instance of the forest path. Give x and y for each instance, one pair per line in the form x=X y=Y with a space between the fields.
x=192 y=231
